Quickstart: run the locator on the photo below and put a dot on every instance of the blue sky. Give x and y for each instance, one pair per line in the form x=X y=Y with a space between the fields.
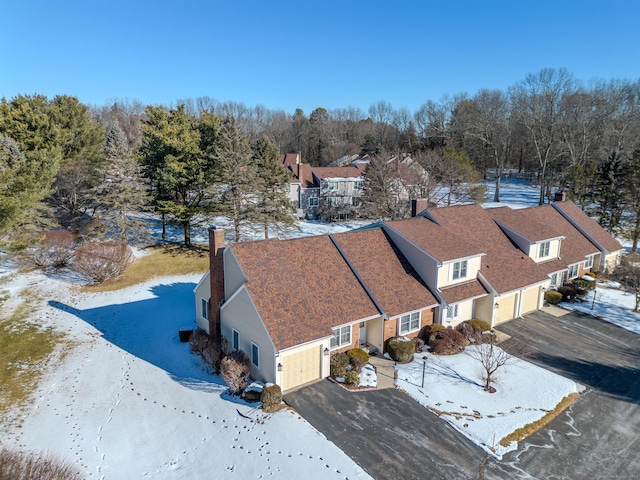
x=288 y=54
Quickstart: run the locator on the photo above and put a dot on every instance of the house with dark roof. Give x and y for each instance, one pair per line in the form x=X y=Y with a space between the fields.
x=290 y=304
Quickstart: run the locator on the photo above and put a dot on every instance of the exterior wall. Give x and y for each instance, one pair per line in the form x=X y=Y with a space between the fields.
x=305 y=195
x=445 y=272
x=355 y=339
x=233 y=276
x=294 y=194
x=506 y=307
x=202 y=290
x=392 y=326
x=240 y=313
x=465 y=312
x=484 y=309
x=611 y=261
x=346 y=188
x=554 y=251
x=375 y=333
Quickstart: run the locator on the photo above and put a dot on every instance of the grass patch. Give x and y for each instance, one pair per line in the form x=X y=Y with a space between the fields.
x=164 y=260
x=25 y=349
x=533 y=427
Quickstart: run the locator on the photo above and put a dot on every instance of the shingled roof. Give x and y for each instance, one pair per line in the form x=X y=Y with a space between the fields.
x=301 y=288
x=598 y=235
x=337 y=172
x=385 y=271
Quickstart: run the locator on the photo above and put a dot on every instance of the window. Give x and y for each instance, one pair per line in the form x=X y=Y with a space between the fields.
x=255 y=354
x=544 y=249
x=355 y=201
x=204 y=305
x=573 y=271
x=459 y=270
x=235 y=340
x=313 y=201
x=554 y=280
x=452 y=311
x=357 y=185
x=588 y=263
x=409 y=323
x=332 y=201
x=341 y=336
x=332 y=185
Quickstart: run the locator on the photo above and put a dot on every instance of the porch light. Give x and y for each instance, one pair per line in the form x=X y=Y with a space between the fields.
x=279 y=367
x=496 y=305
x=326 y=352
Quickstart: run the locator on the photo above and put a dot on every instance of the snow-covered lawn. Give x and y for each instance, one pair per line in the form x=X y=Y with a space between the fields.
x=131 y=401
x=453 y=389
x=611 y=304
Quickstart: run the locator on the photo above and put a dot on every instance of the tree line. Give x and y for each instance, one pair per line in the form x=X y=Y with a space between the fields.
x=200 y=156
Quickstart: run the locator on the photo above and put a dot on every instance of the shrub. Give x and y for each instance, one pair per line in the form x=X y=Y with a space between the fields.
x=447 y=342
x=568 y=293
x=351 y=378
x=271 y=397
x=56 y=249
x=198 y=341
x=552 y=297
x=103 y=260
x=235 y=370
x=428 y=330
x=212 y=354
x=580 y=284
x=418 y=343
x=478 y=325
x=357 y=363
x=401 y=349
x=338 y=364
x=358 y=352
x=26 y=465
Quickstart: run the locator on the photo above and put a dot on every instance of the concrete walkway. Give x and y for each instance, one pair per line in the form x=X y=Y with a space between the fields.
x=385 y=369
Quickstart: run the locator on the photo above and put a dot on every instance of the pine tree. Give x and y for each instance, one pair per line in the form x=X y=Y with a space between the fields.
x=116 y=145
x=609 y=202
x=273 y=207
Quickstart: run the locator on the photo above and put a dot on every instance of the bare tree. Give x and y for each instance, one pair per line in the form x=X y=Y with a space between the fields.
x=491 y=359
x=628 y=274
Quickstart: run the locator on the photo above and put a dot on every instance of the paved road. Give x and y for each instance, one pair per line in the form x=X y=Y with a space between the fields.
x=598 y=437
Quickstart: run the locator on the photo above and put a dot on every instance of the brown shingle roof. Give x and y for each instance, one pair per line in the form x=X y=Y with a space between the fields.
x=531 y=223
x=305 y=176
x=301 y=288
x=337 y=172
x=505 y=266
x=444 y=244
x=598 y=235
x=385 y=271
x=463 y=291
x=290 y=158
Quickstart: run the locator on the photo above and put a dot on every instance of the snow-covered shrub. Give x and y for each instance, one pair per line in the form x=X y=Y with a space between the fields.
x=418 y=344
x=235 y=368
x=447 y=342
x=552 y=297
x=16 y=464
x=359 y=353
x=338 y=364
x=101 y=261
x=351 y=378
x=271 y=397
x=401 y=349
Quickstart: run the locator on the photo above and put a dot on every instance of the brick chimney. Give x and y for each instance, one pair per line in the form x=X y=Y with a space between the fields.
x=560 y=197
x=418 y=205
x=216 y=277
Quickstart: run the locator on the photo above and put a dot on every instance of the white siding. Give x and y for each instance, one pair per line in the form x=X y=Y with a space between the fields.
x=445 y=272
x=233 y=276
x=202 y=290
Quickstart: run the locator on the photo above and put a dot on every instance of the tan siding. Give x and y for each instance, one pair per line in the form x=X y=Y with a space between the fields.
x=530 y=300
x=484 y=309
x=506 y=308
x=301 y=367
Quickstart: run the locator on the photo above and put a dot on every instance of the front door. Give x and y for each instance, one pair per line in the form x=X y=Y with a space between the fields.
x=363 y=333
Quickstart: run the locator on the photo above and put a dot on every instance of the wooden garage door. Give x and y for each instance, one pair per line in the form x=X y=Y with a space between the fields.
x=300 y=368
x=530 y=300
x=506 y=310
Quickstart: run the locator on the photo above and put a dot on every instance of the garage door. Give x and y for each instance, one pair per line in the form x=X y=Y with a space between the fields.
x=530 y=300
x=301 y=367
x=506 y=309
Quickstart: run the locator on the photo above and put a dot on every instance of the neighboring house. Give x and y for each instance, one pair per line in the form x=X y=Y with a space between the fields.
x=289 y=304
x=610 y=250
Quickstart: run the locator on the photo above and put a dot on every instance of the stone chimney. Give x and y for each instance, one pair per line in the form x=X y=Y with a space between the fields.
x=418 y=205
x=560 y=197
x=216 y=278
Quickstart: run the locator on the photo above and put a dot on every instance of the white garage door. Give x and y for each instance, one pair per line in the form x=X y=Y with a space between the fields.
x=301 y=367
x=506 y=308
x=530 y=300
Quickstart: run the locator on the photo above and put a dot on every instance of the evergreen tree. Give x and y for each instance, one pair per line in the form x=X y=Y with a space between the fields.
x=609 y=203
x=631 y=192
x=116 y=145
x=237 y=174
x=274 y=207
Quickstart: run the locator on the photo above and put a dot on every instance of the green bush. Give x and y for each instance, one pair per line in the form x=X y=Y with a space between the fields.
x=338 y=364
x=351 y=378
x=401 y=349
x=552 y=297
x=581 y=284
x=568 y=293
x=271 y=397
x=478 y=325
x=358 y=352
x=427 y=330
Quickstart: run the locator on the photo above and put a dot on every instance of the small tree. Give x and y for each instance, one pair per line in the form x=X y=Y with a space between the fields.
x=235 y=371
x=102 y=261
x=491 y=359
x=628 y=274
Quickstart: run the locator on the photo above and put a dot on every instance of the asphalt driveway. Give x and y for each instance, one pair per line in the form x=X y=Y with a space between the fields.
x=598 y=437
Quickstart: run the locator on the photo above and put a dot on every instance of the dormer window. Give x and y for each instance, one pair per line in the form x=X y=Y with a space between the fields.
x=459 y=270
x=544 y=249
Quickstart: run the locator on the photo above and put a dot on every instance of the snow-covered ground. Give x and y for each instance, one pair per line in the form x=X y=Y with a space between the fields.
x=454 y=390
x=611 y=304
x=131 y=401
